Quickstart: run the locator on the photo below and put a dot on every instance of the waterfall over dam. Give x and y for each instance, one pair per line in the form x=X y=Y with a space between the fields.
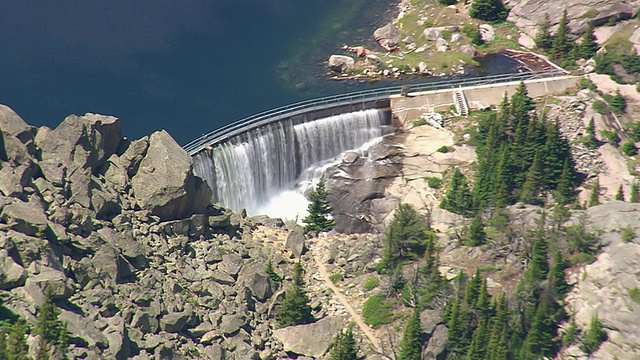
x=247 y=170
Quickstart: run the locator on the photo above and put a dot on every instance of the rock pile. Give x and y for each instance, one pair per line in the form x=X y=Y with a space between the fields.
x=125 y=238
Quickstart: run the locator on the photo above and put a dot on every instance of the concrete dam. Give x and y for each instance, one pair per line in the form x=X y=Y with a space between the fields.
x=250 y=162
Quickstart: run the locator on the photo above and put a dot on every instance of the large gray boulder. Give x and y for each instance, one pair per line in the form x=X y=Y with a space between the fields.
x=437 y=343
x=341 y=63
x=24 y=217
x=254 y=277
x=432 y=34
x=81 y=141
x=468 y=50
x=11 y=274
x=164 y=183
x=309 y=340
x=295 y=241
x=388 y=36
x=13 y=124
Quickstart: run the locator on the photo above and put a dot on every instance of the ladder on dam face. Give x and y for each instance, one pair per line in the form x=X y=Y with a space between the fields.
x=460 y=101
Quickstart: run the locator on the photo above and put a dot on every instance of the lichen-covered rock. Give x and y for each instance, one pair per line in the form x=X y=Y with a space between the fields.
x=296 y=338
x=165 y=184
x=341 y=63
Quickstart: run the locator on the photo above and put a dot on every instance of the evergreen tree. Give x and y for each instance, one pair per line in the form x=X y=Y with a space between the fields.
x=477 y=235
x=488 y=10
x=407 y=236
x=635 y=193
x=595 y=194
x=478 y=347
x=620 y=193
x=539 y=338
x=273 y=275
x=594 y=336
x=454 y=325
x=295 y=308
x=344 y=346
x=458 y=198
x=561 y=46
x=319 y=219
x=589 y=140
x=411 y=344
x=530 y=192
x=557 y=277
x=3 y=344
x=618 y=103
x=51 y=331
x=589 y=46
x=565 y=191
x=543 y=38
x=17 y=348
x=539 y=267
x=569 y=337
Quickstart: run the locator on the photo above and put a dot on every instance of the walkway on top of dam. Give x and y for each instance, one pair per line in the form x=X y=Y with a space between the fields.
x=368 y=99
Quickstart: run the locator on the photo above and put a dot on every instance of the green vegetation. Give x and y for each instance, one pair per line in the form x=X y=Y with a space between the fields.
x=443 y=149
x=589 y=139
x=627 y=234
x=17 y=348
x=620 y=193
x=594 y=199
x=477 y=235
x=586 y=83
x=560 y=48
x=618 y=103
x=52 y=332
x=629 y=148
x=376 y=311
x=634 y=197
x=473 y=33
x=630 y=62
x=634 y=294
x=611 y=136
x=295 y=309
x=419 y=122
x=371 y=284
x=458 y=198
x=275 y=277
x=594 y=336
x=344 y=346
x=434 y=182
x=488 y=10
x=319 y=219
x=336 y=278
x=601 y=107
x=410 y=346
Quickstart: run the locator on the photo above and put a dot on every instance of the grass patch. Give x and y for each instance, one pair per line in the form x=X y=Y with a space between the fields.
x=487 y=267
x=335 y=278
x=377 y=311
x=434 y=182
x=627 y=234
x=619 y=41
x=443 y=149
x=371 y=284
x=582 y=259
x=634 y=294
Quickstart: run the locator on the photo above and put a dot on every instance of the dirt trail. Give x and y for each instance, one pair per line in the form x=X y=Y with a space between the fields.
x=322 y=270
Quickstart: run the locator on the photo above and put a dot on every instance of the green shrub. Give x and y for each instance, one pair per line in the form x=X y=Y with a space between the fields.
x=611 y=136
x=582 y=259
x=634 y=294
x=371 y=284
x=335 y=278
x=443 y=149
x=627 y=234
x=601 y=107
x=447 y=2
x=629 y=148
x=618 y=103
x=586 y=83
x=434 y=182
x=487 y=267
x=594 y=336
x=612 y=21
x=419 y=122
x=376 y=311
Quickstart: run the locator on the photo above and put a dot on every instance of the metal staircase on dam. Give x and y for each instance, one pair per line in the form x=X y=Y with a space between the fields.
x=460 y=101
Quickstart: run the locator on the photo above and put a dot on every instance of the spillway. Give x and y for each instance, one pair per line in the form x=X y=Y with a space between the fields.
x=247 y=170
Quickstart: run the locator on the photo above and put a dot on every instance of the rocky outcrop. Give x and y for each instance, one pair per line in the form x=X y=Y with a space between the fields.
x=341 y=63
x=164 y=183
x=529 y=14
x=388 y=36
x=297 y=339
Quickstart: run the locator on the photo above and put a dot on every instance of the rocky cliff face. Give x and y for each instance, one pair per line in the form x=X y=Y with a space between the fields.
x=529 y=14
x=125 y=238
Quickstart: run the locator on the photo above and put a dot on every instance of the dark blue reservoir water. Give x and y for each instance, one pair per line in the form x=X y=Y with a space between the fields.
x=187 y=66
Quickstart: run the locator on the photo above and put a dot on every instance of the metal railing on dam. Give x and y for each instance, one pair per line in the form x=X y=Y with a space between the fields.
x=273 y=115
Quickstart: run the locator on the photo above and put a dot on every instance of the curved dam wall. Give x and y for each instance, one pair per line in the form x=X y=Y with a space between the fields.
x=252 y=166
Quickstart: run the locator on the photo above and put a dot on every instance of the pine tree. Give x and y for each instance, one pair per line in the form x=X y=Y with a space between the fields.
x=51 y=331
x=458 y=198
x=407 y=236
x=557 y=277
x=539 y=339
x=3 y=344
x=561 y=46
x=594 y=336
x=319 y=219
x=539 y=267
x=344 y=346
x=478 y=347
x=589 y=46
x=635 y=192
x=595 y=194
x=618 y=103
x=273 y=275
x=530 y=192
x=543 y=38
x=565 y=191
x=569 y=337
x=589 y=140
x=411 y=344
x=17 y=348
x=488 y=10
x=477 y=235
x=620 y=194
x=295 y=308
